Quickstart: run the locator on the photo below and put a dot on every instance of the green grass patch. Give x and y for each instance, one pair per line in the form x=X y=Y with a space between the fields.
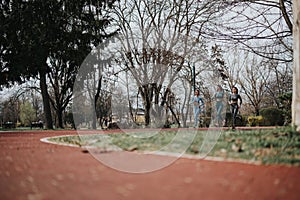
x=268 y=146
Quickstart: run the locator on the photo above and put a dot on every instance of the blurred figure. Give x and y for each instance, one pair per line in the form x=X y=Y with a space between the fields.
x=219 y=97
x=198 y=104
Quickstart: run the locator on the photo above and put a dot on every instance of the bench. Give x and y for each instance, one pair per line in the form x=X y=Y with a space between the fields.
x=9 y=125
x=37 y=125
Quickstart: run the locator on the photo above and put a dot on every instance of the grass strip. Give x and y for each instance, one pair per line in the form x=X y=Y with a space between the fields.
x=268 y=146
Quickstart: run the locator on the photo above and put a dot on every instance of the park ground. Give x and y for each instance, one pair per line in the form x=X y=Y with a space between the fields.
x=34 y=170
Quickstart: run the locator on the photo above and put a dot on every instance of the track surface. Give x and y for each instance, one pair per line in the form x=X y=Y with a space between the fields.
x=33 y=170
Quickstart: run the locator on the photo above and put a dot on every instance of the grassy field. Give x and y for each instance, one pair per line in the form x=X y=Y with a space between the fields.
x=266 y=146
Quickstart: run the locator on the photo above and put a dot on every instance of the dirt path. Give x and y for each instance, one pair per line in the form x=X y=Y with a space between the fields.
x=34 y=170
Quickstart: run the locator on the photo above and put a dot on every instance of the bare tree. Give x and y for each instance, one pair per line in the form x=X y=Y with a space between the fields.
x=61 y=79
x=231 y=71
x=280 y=83
x=264 y=28
x=253 y=83
x=261 y=26
x=261 y=80
x=157 y=43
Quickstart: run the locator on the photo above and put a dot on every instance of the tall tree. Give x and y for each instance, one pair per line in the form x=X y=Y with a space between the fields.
x=296 y=68
x=61 y=31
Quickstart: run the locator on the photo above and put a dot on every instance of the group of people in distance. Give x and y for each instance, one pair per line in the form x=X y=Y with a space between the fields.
x=234 y=100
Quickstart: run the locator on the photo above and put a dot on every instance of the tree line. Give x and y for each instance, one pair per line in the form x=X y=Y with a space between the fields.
x=161 y=44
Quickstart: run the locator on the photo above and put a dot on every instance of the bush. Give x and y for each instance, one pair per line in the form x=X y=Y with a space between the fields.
x=272 y=116
x=255 y=120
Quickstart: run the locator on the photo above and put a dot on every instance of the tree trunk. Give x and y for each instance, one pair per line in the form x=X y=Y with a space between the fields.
x=94 y=110
x=46 y=102
x=147 y=113
x=59 y=114
x=296 y=67
x=94 y=120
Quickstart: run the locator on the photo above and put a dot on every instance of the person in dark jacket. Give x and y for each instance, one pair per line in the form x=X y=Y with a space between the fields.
x=235 y=101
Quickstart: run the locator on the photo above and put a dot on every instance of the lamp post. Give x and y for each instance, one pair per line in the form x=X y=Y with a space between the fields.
x=194 y=77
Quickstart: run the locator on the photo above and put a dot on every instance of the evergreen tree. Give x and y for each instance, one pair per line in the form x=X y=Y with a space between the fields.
x=49 y=39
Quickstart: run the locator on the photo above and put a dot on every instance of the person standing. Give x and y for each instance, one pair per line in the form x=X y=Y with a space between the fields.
x=198 y=104
x=235 y=101
x=219 y=97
